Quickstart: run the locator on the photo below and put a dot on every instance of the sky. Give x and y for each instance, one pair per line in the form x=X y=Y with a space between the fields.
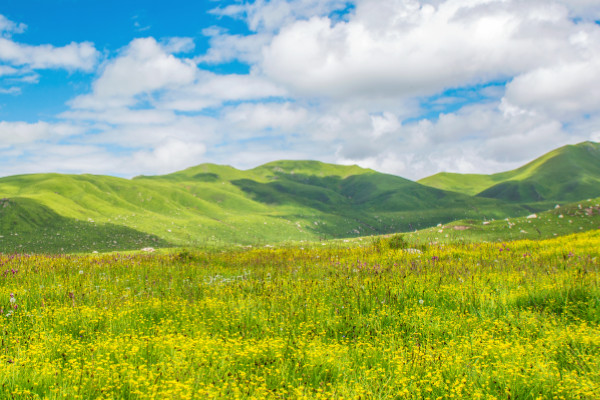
x=405 y=87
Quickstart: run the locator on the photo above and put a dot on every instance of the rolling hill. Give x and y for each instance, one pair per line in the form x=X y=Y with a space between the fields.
x=219 y=205
x=211 y=204
x=567 y=174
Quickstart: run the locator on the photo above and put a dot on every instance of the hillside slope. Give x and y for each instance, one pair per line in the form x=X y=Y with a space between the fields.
x=567 y=174
x=285 y=200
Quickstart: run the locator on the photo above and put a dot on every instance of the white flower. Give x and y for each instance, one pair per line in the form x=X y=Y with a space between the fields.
x=421 y=301
x=81 y=272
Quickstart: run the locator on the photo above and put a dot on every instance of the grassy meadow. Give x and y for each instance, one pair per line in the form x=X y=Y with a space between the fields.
x=510 y=320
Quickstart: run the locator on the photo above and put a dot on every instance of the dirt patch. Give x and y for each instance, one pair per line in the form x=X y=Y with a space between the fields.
x=460 y=227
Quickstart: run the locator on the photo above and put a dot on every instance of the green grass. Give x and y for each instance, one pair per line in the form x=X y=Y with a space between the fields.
x=570 y=218
x=28 y=227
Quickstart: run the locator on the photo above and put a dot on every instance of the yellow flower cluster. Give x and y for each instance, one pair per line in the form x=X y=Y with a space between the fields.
x=515 y=320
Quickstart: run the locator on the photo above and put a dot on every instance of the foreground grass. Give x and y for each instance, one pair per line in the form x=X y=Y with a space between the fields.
x=505 y=321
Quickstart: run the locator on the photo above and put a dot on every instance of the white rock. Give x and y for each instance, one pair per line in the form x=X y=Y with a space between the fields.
x=413 y=251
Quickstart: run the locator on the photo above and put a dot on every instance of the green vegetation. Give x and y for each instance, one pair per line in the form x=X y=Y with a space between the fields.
x=515 y=320
x=571 y=218
x=28 y=226
x=469 y=307
x=212 y=205
x=567 y=174
x=216 y=205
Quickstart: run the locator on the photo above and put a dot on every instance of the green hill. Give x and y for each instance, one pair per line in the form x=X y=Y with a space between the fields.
x=284 y=200
x=211 y=204
x=567 y=174
x=28 y=226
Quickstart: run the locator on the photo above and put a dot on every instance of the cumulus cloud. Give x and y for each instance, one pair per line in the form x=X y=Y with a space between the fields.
x=143 y=67
x=401 y=47
x=148 y=71
x=568 y=90
x=476 y=139
x=402 y=86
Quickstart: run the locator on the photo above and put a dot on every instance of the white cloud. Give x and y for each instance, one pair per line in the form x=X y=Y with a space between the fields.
x=401 y=47
x=122 y=116
x=338 y=90
x=6 y=70
x=226 y=48
x=271 y=15
x=143 y=67
x=8 y=27
x=255 y=118
x=20 y=60
x=586 y=9
x=384 y=124
x=10 y=90
x=73 y=56
x=567 y=90
x=212 y=90
x=146 y=71
x=169 y=156
x=17 y=133
x=176 y=45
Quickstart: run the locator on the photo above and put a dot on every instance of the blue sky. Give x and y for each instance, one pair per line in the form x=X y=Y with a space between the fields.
x=402 y=86
x=110 y=25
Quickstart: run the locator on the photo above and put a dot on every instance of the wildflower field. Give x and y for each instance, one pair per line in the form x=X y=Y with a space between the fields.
x=517 y=320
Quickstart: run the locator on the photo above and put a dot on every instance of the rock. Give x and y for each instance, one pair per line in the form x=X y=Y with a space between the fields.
x=460 y=228
x=413 y=251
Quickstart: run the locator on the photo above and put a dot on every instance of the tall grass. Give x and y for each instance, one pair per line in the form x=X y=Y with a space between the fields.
x=506 y=321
